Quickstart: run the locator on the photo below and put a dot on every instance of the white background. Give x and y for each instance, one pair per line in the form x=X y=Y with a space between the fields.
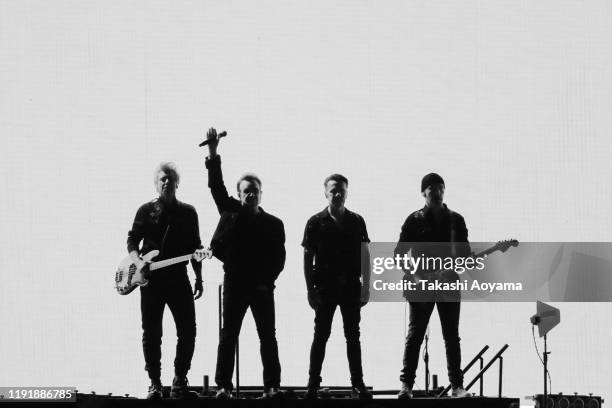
x=509 y=101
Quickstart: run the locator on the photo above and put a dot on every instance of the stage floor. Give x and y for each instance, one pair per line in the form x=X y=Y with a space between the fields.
x=475 y=402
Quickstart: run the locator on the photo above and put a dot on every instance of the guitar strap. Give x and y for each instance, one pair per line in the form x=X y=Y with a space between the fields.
x=453 y=237
x=161 y=246
x=171 y=219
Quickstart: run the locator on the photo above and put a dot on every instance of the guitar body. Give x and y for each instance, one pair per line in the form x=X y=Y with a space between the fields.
x=447 y=275
x=128 y=277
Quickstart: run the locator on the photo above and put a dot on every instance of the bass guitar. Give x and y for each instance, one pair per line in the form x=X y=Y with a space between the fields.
x=129 y=276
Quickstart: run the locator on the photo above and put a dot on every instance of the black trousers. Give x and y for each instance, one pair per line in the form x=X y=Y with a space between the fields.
x=420 y=313
x=176 y=292
x=350 y=308
x=236 y=301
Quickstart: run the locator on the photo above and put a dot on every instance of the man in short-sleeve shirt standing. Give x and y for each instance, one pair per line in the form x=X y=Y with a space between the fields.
x=333 y=263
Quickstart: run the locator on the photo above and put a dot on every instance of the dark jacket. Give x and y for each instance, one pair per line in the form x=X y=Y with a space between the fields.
x=424 y=235
x=251 y=247
x=421 y=226
x=173 y=231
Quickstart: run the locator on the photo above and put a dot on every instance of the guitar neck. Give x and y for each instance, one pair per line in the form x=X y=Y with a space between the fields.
x=168 y=262
x=486 y=252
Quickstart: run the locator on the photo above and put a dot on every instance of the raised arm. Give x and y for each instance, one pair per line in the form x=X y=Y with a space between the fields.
x=223 y=201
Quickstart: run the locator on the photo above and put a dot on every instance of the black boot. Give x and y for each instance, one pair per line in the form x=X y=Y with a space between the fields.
x=312 y=392
x=155 y=390
x=272 y=392
x=312 y=389
x=360 y=391
x=405 y=392
x=180 y=388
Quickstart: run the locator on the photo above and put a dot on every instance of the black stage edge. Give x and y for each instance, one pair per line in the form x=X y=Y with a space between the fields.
x=90 y=401
x=104 y=401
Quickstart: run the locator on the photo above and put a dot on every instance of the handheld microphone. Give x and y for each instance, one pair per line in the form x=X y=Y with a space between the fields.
x=219 y=136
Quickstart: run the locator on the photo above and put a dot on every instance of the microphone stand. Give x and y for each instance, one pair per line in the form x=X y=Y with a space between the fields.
x=545 y=355
x=535 y=320
x=426 y=360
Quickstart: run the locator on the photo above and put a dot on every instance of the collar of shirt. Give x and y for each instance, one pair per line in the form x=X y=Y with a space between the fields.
x=325 y=215
x=427 y=209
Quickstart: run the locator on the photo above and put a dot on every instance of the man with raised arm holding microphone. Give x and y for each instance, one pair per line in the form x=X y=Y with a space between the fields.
x=251 y=244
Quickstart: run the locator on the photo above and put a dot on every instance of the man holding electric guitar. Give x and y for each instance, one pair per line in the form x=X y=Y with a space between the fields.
x=169 y=229
x=436 y=232
x=433 y=223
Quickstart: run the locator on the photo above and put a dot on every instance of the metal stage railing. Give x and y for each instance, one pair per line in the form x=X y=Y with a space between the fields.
x=497 y=356
x=477 y=357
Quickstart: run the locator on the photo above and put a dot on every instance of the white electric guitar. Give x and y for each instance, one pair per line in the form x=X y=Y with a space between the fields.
x=129 y=276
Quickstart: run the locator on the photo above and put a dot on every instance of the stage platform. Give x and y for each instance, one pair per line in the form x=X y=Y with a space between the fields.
x=250 y=397
x=90 y=401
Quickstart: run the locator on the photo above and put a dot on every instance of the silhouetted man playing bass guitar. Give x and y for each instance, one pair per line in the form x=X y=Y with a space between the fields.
x=171 y=227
